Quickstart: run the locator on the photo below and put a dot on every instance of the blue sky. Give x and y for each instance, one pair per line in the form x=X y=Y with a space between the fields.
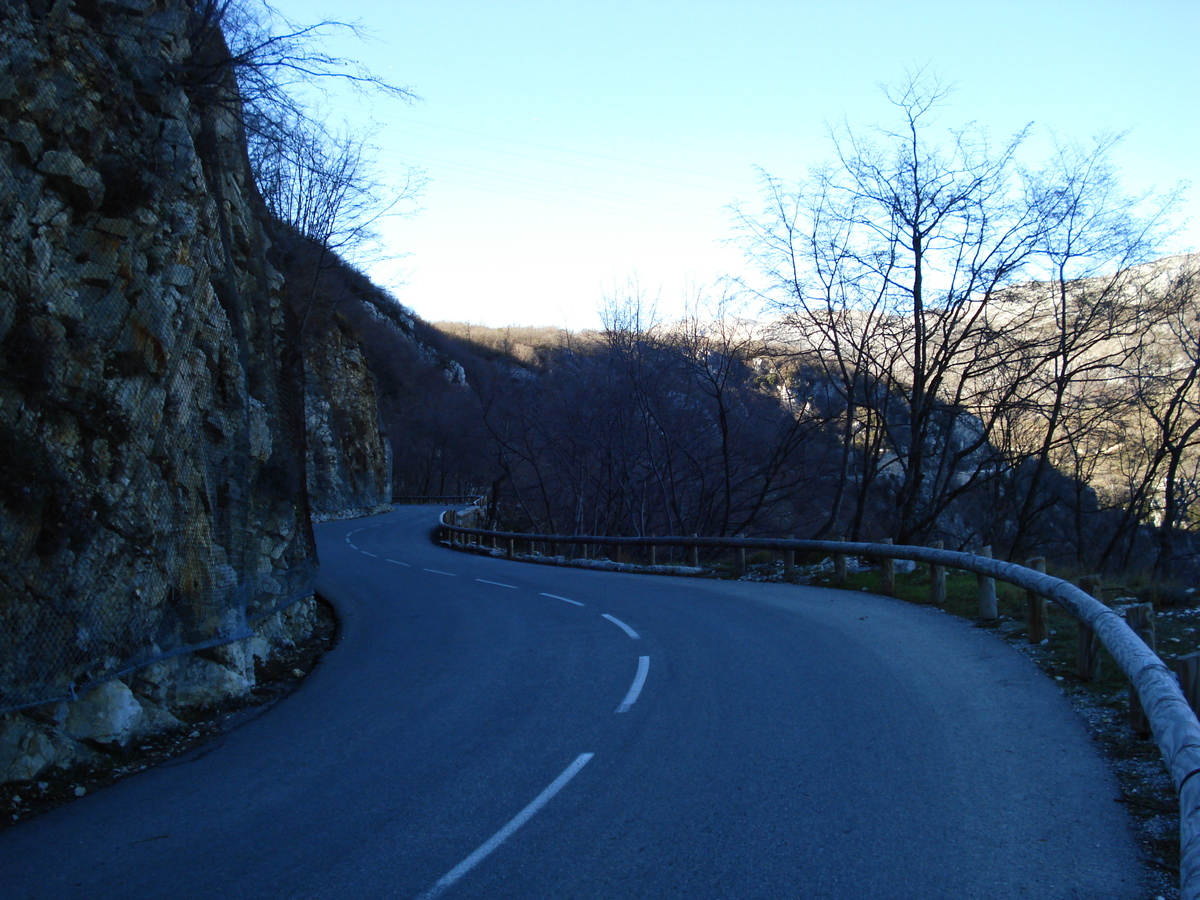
x=572 y=151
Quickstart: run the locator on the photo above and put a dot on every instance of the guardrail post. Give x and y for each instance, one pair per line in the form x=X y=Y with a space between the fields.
x=887 y=572
x=839 y=565
x=740 y=567
x=1038 y=631
x=987 y=590
x=789 y=559
x=693 y=555
x=937 y=579
x=1088 y=661
x=1187 y=669
x=653 y=555
x=1140 y=619
x=512 y=548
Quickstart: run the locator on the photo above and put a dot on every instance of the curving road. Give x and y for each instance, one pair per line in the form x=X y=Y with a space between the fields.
x=490 y=729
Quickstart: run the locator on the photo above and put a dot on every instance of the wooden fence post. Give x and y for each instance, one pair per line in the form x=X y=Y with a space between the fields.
x=987 y=590
x=1188 y=669
x=1088 y=661
x=887 y=572
x=839 y=565
x=937 y=579
x=1140 y=619
x=1037 y=605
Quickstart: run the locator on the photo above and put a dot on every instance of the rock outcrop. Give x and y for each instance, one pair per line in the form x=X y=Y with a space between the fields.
x=152 y=484
x=349 y=460
x=148 y=701
x=155 y=386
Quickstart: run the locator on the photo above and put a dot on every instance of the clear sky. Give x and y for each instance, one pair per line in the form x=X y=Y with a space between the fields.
x=571 y=150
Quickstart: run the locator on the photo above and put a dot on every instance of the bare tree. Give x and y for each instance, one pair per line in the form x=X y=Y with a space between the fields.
x=318 y=180
x=897 y=264
x=891 y=255
x=651 y=428
x=1160 y=423
x=249 y=58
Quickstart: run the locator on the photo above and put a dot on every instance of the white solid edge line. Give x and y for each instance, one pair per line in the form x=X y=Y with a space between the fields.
x=638 y=681
x=507 y=831
x=496 y=583
x=625 y=628
x=563 y=599
x=397 y=562
x=440 y=572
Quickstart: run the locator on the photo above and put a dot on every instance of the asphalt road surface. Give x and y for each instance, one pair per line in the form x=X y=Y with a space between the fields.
x=494 y=729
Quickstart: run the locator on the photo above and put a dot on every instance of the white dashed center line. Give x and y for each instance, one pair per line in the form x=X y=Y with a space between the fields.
x=508 y=830
x=639 y=680
x=496 y=583
x=625 y=628
x=563 y=599
x=440 y=572
x=397 y=562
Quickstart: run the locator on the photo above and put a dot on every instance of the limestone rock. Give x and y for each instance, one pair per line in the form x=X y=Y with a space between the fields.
x=67 y=172
x=203 y=682
x=349 y=465
x=152 y=497
x=108 y=714
x=29 y=748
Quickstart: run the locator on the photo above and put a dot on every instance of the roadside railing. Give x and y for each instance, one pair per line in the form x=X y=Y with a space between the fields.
x=1153 y=685
x=439 y=500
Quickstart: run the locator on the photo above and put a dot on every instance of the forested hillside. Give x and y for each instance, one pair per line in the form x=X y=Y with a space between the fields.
x=939 y=340
x=1081 y=443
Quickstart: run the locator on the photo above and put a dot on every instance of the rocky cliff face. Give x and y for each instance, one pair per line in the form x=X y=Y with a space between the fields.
x=349 y=460
x=151 y=402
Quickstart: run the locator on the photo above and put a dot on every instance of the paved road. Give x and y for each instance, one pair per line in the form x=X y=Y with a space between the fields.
x=489 y=729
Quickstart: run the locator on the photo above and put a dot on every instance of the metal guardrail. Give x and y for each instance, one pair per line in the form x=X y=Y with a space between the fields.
x=452 y=499
x=1174 y=726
